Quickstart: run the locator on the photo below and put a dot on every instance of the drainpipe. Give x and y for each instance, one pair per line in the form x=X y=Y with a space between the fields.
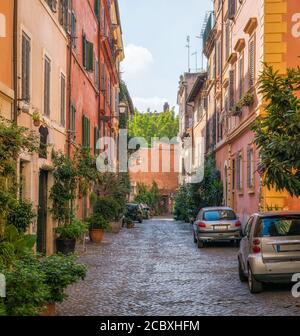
x=69 y=90
x=15 y=61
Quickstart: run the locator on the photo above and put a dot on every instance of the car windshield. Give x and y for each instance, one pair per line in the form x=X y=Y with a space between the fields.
x=214 y=215
x=279 y=226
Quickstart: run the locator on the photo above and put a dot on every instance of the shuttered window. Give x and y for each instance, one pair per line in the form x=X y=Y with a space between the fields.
x=97 y=78
x=219 y=58
x=62 y=100
x=47 y=75
x=26 y=49
x=88 y=54
x=239 y=171
x=74 y=31
x=85 y=132
x=227 y=40
x=73 y=122
x=252 y=61
x=241 y=76
x=97 y=8
x=250 y=168
x=231 y=89
x=231 y=9
x=96 y=138
x=65 y=15
x=103 y=77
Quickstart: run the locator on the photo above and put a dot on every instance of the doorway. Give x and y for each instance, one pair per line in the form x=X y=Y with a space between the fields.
x=42 y=212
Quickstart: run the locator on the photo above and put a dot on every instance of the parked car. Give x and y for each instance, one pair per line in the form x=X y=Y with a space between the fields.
x=216 y=224
x=134 y=212
x=270 y=249
x=146 y=211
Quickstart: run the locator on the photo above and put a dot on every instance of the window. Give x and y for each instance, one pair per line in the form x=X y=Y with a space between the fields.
x=26 y=50
x=73 y=122
x=250 y=168
x=97 y=8
x=85 y=132
x=231 y=89
x=103 y=77
x=74 y=31
x=52 y=4
x=219 y=58
x=252 y=61
x=108 y=92
x=44 y=133
x=227 y=40
x=239 y=172
x=62 y=100
x=231 y=9
x=241 y=76
x=216 y=215
x=64 y=14
x=88 y=54
x=97 y=78
x=47 y=74
x=96 y=138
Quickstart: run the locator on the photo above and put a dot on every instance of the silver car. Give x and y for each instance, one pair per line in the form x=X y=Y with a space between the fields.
x=270 y=249
x=216 y=224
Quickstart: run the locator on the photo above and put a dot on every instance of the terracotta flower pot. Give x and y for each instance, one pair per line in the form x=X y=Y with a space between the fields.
x=36 y=123
x=96 y=235
x=116 y=226
x=130 y=225
x=50 y=310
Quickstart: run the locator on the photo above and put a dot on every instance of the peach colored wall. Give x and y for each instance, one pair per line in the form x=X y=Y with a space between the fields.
x=6 y=58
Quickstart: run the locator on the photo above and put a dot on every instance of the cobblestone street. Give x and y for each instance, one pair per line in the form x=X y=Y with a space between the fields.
x=155 y=269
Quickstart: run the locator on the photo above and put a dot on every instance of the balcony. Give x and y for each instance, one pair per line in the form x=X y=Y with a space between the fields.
x=209 y=35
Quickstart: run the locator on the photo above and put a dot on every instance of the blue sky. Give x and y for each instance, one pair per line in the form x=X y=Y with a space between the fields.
x=154 y=33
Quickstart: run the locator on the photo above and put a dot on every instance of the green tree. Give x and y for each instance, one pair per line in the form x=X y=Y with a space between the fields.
x=277 y=131
x=154 y=125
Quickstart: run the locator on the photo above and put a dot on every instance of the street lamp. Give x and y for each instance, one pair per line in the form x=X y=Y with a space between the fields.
x=122 y=108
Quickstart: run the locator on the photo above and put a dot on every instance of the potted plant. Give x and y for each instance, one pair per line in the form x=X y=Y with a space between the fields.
x=59 y=272
x=36 y=118
x=67 y=236
x=129 y=222
x=97 y=225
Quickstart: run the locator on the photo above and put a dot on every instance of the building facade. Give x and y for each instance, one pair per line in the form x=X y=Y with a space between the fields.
x=239 y=36
x=6 y=59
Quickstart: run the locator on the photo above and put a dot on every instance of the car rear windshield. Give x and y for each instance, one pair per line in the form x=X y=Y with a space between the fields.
x=214 y=215
x=279 y=226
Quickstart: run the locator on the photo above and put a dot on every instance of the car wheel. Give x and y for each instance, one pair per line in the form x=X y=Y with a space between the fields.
x=242 y=275
x=255 y=286
x=200 y=243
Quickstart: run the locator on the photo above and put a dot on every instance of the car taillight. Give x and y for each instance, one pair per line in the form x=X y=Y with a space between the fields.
x=238 y=224
x=201 y=225
x=256 y=246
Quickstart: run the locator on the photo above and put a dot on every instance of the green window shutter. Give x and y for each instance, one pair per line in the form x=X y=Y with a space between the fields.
x=97 y=9
x=84 y=51
x=90 y=59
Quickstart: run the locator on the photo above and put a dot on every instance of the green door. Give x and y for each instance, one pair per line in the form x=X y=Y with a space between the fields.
x=42 y=212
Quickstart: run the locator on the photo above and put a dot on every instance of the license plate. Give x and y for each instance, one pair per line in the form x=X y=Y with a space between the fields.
x=221 y=228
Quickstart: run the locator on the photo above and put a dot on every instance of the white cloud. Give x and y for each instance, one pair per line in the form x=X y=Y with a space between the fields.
x=137 y=59
x=154 y=103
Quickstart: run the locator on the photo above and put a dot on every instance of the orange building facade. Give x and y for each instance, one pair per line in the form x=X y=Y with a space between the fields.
x=6 y=59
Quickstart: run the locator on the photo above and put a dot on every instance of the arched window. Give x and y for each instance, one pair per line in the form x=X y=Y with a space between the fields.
x=2 y=25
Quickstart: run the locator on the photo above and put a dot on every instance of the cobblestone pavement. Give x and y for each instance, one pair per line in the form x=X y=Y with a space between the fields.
x=155 y=269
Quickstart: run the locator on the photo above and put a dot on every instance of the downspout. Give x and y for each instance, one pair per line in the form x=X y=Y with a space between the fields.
x=15 y=62
x=69 y=90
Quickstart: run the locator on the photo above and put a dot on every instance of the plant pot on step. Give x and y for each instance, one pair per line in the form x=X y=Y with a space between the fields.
x=116 y=226
x=130 y=224
x=50 y=310
x=65 y=246
x=96 y=235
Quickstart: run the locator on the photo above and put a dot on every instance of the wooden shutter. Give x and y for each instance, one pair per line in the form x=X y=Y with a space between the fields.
x=231 y=89
x=96 y=138
x=85 y=132
x=97 y=8
x=73 y=122
x=238 y=172
x=97 y=79
x=252 y=62
x=62 y=100
x=231 y=9
x=241 y=76
x=47 y=71
x=84 y=50
x=26 y=49
x=90 y=56
x=74 y=31
x=227 y=40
